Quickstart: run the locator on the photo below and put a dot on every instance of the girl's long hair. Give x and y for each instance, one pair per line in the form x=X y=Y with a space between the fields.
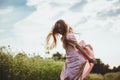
x=54 y=41
x=55 y=33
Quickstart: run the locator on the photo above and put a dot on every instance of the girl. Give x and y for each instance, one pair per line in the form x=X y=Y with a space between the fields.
x=75 y=55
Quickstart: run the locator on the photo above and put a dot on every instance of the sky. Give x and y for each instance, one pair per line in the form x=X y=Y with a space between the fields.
x=24 y=25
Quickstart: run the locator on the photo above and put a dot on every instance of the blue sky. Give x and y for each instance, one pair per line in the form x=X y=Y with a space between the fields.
x=24 y=25
x=12 y=11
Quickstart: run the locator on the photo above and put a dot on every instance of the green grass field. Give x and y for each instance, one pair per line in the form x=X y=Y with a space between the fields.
x=22 y=67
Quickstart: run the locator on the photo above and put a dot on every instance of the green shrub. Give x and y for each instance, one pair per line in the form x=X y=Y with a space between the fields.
x=22 y=67
x=112 y=76
x=6 y=61
x=94 y=77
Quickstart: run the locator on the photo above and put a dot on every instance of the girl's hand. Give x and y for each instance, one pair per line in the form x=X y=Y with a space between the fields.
x=92 y=61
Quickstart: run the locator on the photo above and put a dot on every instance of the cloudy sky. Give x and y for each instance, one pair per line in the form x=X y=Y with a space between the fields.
x=24 y=25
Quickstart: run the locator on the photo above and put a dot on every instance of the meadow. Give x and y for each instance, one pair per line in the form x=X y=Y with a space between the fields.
x=22 y=67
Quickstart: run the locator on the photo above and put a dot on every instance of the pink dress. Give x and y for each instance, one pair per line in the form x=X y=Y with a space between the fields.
x=76 y=66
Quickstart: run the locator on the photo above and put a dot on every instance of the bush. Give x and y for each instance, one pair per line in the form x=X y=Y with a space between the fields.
x=94 y=77
x=30 y=69
x=22 y=67
x=6 y=61
x=112 y=76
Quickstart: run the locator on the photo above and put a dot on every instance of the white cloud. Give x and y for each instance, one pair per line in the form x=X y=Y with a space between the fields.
x=96 y=6
x=41 y=2
x=66 y=1
x=116 y=29
x=2 y=30
x=6 y=11
x=33 y=2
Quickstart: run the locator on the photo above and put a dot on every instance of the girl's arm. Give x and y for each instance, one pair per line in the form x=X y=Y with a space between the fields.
x=73 y=42
x=85 y=54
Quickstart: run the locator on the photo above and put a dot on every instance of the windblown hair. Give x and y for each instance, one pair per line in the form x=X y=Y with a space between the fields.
x=60 y=27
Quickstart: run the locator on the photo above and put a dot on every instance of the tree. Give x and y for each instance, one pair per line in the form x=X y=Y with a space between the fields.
x=116 y=69
x=58 y=56
x=100 y=67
